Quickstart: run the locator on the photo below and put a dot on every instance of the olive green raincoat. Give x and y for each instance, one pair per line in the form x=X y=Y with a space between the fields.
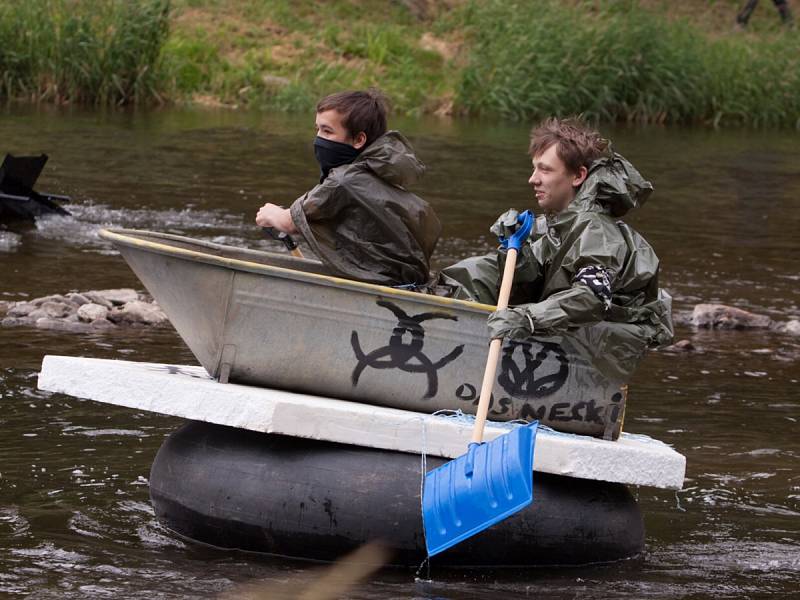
x=582 y=267
x=362 y=222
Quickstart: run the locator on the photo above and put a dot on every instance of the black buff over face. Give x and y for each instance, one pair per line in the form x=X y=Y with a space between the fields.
x=332 y=154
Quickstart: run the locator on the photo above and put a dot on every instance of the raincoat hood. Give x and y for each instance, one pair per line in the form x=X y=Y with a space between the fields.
x=363 y=223
x=583 y=272
x=391 y=158
x=614 y=184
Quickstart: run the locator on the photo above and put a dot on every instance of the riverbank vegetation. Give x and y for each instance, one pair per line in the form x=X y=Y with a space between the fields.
x=100 y=53
x=621 y=61
x=641 y=61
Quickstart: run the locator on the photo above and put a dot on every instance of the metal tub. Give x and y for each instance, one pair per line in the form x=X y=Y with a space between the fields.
x=272 y=320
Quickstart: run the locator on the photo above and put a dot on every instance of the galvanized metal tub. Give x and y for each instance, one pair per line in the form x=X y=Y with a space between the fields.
x=273 y=320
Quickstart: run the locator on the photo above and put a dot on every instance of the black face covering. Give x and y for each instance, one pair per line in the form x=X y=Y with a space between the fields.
x=332 y=154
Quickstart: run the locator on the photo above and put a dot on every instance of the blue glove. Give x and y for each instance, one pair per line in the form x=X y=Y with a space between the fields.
x=515 y=240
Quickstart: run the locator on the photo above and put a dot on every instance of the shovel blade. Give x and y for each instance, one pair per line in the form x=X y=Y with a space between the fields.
x=489 y=483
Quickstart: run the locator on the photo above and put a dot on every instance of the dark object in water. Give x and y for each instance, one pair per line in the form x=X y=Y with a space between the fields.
x=234 y=488
x=18 y=200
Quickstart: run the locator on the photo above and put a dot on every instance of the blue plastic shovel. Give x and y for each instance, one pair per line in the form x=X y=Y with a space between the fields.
x=493 y=480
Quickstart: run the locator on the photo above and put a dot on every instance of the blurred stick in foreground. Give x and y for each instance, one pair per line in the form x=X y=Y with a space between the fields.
x=331 y=583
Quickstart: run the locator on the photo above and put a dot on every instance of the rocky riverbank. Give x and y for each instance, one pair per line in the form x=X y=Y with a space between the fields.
x=721 y=316
x=101 y=310
x=85 y=312
x=726 y=318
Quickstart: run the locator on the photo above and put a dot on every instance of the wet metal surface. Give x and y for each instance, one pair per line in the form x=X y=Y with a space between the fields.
x=257 y=320
x=75 y=518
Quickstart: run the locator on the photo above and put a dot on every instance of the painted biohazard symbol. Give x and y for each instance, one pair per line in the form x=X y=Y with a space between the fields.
x=405 y=355
x=527 y=381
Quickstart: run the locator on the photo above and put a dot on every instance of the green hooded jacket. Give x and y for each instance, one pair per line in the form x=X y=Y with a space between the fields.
x=363 y=224
x=584 y=267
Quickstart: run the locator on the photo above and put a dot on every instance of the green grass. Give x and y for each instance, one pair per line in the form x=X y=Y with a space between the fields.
x=614 y=61
x=662 y=61
x=286 y=55
x=83 y=52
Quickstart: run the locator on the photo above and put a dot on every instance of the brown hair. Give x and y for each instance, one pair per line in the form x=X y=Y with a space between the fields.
x=577 y=145
x=362 y=111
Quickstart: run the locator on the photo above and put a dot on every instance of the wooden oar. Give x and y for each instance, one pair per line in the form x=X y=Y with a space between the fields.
x=286 y=239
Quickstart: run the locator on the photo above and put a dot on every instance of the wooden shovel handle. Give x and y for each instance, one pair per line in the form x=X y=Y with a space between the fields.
x=494 y=350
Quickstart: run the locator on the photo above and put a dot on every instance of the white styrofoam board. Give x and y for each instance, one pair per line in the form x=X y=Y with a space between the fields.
x=189 y=392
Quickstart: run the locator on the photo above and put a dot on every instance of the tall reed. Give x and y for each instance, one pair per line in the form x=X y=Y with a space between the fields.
x=103 y=52
x=610 y=60
x=615 y=61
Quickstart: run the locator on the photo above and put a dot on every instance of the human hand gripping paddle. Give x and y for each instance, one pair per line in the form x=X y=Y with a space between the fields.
x=493 y=480
x=285 y=238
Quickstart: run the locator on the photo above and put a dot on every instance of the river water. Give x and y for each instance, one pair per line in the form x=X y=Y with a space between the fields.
x=75 y=517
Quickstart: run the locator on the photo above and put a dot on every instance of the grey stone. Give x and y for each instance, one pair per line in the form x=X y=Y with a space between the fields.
x=680 y=346
x=51 y=298
x=21 y=309
x=84 y=312
x=682 y=317
x=56 y=310
x=792 y=327
x=138 y=312
x=61 y=325
x=118 y=297
x=98 y=299
x=78 y=299
x=103 y=324
x=92 y=312
x=720 y=316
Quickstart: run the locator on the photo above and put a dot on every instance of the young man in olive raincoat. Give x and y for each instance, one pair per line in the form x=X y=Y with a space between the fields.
x=582 y=265
x=360 y=220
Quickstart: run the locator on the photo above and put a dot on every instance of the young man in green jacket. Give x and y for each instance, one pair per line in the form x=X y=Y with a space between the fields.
x=582 y=265
x=361 y=221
